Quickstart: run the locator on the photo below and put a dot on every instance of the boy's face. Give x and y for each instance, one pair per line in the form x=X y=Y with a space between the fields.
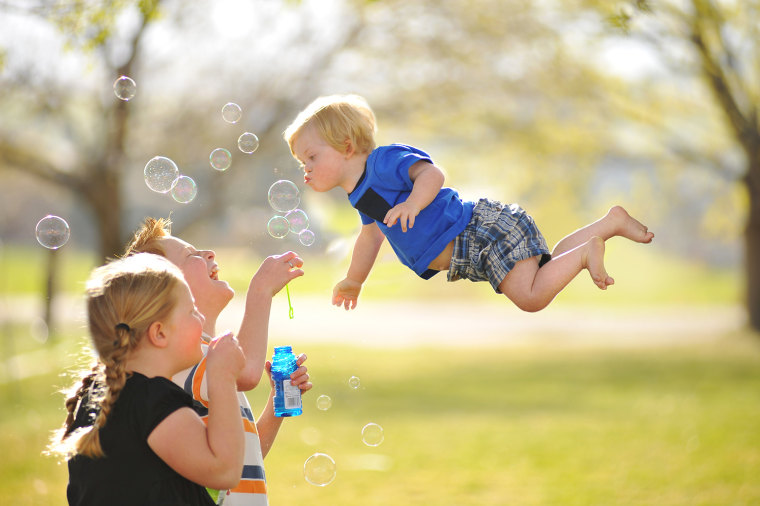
x=201 y=273
x=323 y=165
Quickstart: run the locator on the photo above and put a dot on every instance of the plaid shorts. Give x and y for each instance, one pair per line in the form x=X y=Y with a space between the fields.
x=497 y=237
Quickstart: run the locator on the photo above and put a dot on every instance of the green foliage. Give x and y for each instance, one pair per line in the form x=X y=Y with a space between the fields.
x=86 y=24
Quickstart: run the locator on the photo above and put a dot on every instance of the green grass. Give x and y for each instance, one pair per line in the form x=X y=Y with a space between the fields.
x=643 y=275
x=24 y=269
x=477 y=426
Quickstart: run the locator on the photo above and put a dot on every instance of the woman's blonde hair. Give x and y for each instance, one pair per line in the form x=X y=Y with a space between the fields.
x=338 y=118
x=124 y=297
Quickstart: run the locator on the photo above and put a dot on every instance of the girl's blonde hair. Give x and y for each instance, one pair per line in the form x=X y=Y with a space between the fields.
x=124 y=297
x=338 y=118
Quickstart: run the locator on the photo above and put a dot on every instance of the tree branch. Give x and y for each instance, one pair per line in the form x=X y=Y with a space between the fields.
x=23 y=160
x=718 y=81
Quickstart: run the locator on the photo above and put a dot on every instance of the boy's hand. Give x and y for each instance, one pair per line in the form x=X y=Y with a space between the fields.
x=404 y=212
x=225 y=356
x=345 y=293
x=299 y=378
x=275 y=272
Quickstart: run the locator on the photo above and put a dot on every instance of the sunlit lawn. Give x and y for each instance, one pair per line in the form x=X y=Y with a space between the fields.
x=462 y=426
x=479 y=426
x=644 y=276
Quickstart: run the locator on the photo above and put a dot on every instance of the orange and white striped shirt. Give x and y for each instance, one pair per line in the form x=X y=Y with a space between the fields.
x=252 y=489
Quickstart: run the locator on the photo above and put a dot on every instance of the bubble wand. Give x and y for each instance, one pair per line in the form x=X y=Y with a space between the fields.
x=290 y=306
x=287 y=291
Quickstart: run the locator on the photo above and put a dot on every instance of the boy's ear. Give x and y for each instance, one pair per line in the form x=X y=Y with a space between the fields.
x=156 y=335
x=350 y=150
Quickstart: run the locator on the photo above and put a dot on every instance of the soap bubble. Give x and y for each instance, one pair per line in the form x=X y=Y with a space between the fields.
x=319 y=469
x=52 y=232
x=184 y=189
x=297 y=220
x=372 y=434
x=354 y=382
x=248 y=143
x=284 y=196
x=277 y=227
x=124 y=88
x=220 y=159
x=161 y=174
x=324 y=402
x=306 y=237
x=231 y=112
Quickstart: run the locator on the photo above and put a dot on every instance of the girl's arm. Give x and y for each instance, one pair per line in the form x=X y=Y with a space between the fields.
x=428 y=181
x=209 y=455
x=273 y=274
x=363 y=258
x=268 y=425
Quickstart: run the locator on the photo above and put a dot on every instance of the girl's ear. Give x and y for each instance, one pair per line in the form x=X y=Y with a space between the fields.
x=156 y=335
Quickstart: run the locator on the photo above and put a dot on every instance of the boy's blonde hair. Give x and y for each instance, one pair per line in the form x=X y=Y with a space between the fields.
x=124 y=297
x=338 y=118
x=145 y=239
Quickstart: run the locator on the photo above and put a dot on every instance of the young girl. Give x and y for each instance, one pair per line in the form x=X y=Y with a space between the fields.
x=133 y=434
x=334 y=139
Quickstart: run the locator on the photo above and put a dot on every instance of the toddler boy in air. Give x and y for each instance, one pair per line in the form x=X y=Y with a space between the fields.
x=399 y=194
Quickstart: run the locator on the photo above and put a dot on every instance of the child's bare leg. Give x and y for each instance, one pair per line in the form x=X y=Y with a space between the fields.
x=532 y=289
x=617 y=222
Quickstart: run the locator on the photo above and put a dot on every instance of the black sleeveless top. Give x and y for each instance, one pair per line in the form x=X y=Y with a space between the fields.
x=131 y=473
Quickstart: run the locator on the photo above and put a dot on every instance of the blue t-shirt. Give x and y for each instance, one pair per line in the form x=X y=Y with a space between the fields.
x=385 y=183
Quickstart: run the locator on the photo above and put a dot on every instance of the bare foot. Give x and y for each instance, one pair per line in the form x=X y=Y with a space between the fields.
x=629 y=227
x=593 y=260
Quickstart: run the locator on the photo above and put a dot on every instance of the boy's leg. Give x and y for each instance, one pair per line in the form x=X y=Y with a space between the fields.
x=617 y=222
x=532 y=289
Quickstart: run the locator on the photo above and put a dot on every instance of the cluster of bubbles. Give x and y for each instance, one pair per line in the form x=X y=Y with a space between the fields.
x=52 y=232
x=220 y=158
x=320 y=468
x=162 y=176
x=284 y=198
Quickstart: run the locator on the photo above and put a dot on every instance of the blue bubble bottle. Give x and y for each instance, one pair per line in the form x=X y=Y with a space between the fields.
x=287 y=397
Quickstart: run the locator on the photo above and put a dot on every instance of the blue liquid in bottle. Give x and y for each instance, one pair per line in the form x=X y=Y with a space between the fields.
x=287 y=397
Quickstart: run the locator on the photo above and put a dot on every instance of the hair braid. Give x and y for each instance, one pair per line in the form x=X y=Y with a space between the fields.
x=124 y=297
x=73 y=402
x=115 y=379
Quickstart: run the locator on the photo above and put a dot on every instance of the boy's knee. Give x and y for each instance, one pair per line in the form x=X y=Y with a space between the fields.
x=529 y=304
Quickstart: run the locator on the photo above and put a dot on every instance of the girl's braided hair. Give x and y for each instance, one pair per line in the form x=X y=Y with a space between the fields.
x=124 y=297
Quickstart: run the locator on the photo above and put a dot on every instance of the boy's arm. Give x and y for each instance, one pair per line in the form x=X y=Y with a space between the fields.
x=428 y=181
x=268 y=425
x=212 y=454
x=363 y=258
x=275 y=272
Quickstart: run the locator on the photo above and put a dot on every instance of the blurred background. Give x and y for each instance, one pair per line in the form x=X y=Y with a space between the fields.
x=565 y=107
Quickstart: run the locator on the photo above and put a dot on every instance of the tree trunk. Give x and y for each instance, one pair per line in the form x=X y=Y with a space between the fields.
x=752 y=243
x=51 y=279
x=106 y=207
